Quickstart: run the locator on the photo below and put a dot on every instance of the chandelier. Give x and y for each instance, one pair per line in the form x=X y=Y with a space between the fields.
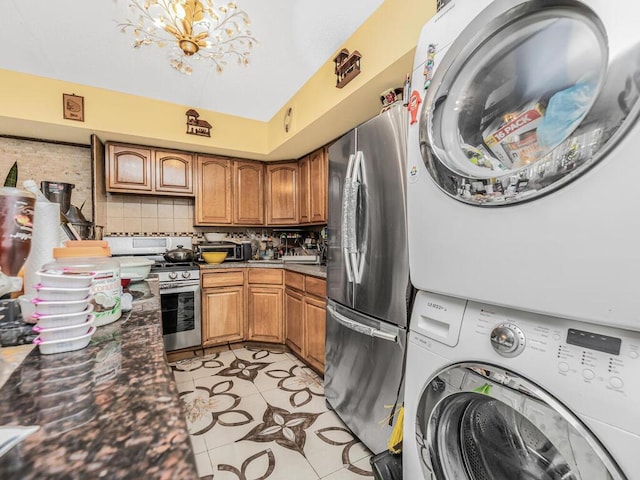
x=193 y=30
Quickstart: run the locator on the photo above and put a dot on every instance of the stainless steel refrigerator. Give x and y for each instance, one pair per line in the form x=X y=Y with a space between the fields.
x=368 y=287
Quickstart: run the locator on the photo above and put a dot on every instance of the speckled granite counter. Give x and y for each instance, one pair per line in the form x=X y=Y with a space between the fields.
x=307 y=269
x=108 y=411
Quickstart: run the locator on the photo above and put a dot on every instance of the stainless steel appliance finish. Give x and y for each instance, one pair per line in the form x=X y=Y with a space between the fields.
x=367 y=276
x=179 y=286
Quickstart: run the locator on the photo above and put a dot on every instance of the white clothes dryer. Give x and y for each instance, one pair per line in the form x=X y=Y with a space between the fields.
x=497 y=394
x=523 y=160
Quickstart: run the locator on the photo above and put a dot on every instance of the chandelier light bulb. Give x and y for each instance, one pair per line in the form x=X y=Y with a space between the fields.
x=193 y=29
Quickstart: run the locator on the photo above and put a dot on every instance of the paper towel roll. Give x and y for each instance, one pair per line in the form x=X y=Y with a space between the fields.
x=46 y=224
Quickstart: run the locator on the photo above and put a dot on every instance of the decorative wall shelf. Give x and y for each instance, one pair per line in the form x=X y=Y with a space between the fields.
x=347 y=66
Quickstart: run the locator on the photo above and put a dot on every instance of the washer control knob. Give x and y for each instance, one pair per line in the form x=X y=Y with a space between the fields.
x=507 y=339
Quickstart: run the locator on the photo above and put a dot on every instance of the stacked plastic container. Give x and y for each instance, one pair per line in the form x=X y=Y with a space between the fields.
x=75 y=294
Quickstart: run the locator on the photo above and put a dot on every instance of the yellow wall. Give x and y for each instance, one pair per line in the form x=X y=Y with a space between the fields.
x=32 y=106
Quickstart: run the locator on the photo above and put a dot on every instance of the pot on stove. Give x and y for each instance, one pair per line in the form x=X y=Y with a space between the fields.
x=179 y=254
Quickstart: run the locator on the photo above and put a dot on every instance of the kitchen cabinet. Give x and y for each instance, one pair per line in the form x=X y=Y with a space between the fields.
x=213 y=204
x=248 y=197
x=293 y=319
x=312 y=198
x=281 y=191
x=305 y=312
x=146 y=170
x=223 y=307
x=265 y=305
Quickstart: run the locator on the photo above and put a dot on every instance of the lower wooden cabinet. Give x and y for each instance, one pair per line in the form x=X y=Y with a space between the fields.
x=294 y=313
x=223 y=307
x=315 y=312
x=265 y=306
x=305 y=317
x=223 y=315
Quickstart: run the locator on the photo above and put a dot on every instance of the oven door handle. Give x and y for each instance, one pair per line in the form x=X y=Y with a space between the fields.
x=180 y=289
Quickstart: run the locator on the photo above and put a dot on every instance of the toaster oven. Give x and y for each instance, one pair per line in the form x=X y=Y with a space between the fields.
x=236 y=252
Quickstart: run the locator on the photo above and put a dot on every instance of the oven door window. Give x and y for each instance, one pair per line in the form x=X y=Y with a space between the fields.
x=178 y=312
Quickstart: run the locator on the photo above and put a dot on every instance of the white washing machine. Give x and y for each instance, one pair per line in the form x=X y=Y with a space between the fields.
x=497 y=394
x=524 y=159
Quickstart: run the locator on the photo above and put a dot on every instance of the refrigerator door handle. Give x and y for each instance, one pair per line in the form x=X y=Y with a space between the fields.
x=360 y=328
x=357 y=259
x=349 y=196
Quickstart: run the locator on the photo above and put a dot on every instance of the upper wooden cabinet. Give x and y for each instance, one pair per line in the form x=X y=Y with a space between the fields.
x=282 y=194
x=229 y=192
x=248 y=197
x=145 y=170
x=214 y=191
x=312 y=197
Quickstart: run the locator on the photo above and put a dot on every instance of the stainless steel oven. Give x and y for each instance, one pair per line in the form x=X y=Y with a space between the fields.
x=179 y=286
x=180 y=305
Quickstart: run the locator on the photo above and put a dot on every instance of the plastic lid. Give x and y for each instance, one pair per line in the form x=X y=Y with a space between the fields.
x=73 y=252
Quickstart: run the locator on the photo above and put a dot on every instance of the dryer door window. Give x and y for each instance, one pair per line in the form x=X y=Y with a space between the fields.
x=479 y=423
x=527 y=99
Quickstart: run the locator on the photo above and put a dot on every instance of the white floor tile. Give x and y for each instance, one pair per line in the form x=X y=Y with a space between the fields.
x=259 y=460
x=360 y=471
x=298 y=401
x=203 y=464
x=234 y=425
x=260 y=355
x=331 y=446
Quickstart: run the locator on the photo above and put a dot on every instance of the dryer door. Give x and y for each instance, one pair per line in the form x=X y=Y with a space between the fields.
x=530 y=96
x=479 y=422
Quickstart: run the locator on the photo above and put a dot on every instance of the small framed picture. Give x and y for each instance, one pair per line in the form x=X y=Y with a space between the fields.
x=73 y=107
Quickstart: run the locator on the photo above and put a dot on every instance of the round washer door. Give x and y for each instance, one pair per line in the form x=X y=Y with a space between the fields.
x=479 y=422
x=530 y=96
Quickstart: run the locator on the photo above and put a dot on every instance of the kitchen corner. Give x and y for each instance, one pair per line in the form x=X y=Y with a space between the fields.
x=110 y=410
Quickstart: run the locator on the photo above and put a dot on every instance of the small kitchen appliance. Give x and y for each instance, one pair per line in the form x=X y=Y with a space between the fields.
x=236 y=252
x=179 y=284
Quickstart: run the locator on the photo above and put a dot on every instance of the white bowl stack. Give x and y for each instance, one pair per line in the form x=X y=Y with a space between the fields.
x=63 y=311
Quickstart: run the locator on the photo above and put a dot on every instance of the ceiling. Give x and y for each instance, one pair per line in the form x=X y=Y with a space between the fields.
x=79 y=41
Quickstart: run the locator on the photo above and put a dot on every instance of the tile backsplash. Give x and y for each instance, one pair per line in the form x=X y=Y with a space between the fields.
x=141 y=214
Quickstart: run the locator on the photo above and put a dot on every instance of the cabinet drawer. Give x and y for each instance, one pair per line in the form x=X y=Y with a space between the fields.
x=316 y=286
x=222 y=279
x=294 y=280
x=270 y=276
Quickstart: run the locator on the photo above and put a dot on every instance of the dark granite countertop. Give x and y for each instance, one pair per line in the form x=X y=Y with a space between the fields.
x=307 y=269
x=110 y=410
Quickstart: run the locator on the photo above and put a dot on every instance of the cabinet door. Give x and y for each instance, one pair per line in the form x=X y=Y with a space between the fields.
x=128 y=169
x=282 y=194
x=213 y=195
x=265 y=314
x=293 y=313
x=174 y=172
x=248 y=199
x=318 y=186
x=314 y=332
x=223 y=315
x=304 y=192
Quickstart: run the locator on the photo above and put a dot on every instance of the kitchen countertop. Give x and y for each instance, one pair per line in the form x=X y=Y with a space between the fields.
x=110 y=410
x=312 y=269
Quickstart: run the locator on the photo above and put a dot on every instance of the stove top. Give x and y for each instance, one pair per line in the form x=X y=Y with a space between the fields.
x=173 y=266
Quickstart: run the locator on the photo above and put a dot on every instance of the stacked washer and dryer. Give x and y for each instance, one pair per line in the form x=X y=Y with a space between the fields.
x=524 y=242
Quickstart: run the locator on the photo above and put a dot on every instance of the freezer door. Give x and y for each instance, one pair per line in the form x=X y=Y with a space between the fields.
x=363 y=372
x=381 y=264
x=341 y=156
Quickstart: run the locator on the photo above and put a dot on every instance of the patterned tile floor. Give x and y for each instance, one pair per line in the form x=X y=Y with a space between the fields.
x=256 y=414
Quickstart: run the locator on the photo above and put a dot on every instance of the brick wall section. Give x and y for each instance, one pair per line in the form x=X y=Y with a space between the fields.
x=40 y=161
